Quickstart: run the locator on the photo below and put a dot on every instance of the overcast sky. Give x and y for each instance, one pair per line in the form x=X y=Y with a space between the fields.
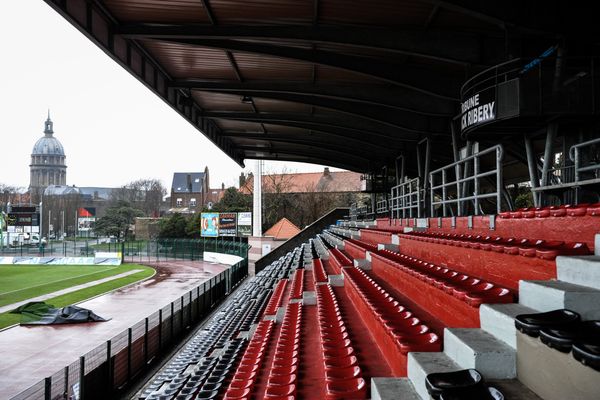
x=114 y=130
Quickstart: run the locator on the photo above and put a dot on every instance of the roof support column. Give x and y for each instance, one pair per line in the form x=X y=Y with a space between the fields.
x=257 y=200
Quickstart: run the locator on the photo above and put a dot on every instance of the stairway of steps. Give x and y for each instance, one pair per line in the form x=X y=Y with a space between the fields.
x=509 y=360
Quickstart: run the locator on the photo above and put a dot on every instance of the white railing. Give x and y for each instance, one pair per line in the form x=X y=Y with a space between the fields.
x=449 y=185
x=406 y=199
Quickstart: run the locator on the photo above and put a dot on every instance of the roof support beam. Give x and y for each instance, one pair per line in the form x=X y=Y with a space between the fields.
x=392 y=99
x=305 y=121
x=441 y=46
x=414 y=79
x=304 y=155
x=398 y=119
x=316 y=138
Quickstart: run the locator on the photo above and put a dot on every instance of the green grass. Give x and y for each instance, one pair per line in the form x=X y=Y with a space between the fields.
x=7 y=319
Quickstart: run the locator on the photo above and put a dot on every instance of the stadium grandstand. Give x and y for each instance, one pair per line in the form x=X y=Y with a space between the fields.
x=475 y=125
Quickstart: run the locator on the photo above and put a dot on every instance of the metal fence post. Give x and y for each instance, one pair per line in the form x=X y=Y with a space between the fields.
x=172 y=321
x=182 y=322
x=109 y=367
x=66 y=382
x=48 y=388
x=146 y=341
x=160 y=326
x=81 y=378
x=129 y=337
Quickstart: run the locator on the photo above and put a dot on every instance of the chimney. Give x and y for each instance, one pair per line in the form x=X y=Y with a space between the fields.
x=242 y=179
x=189 y=183
x=326 y=171
x=222 y=185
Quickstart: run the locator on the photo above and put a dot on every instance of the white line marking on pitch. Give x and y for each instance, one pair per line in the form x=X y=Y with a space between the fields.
x=10 y=307
x=59 y=280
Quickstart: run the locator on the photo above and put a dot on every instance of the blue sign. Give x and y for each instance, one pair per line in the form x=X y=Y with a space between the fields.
x=209 y=224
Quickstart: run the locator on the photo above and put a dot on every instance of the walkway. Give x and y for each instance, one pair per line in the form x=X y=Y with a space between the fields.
x=47 y=296
x=31 y=353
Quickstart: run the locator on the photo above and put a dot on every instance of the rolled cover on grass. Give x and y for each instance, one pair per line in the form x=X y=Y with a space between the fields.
x=40 y=313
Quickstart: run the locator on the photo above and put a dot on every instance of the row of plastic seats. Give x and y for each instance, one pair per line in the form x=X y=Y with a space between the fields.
x=283 y=374
x=374 y=236
x=319 y=271
x=571 y=210
x=191 y=368
x=297 y=284
x=343 y=375
x=543 y=249
x=407 y=330
x=243 y=381
x=472 y=290
x=365 y=245
x=338 y=260
x=564 y=331
x=276 y=297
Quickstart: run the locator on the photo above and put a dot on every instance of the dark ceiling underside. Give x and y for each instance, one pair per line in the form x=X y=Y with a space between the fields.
x=350 y=84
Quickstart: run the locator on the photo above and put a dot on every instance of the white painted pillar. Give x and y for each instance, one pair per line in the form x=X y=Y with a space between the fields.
x=257 y=200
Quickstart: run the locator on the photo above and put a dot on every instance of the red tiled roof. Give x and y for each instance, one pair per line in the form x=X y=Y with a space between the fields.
x=283 y=229
x=308 y=182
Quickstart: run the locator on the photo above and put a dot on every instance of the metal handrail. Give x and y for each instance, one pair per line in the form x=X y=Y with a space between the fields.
x=406 y=199
x=459 y=182
x=382 y=206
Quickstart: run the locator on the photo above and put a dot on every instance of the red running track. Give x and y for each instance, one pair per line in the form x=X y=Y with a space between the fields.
x=29 y=354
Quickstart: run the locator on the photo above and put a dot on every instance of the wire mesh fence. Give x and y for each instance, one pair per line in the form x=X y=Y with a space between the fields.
x=108 y=368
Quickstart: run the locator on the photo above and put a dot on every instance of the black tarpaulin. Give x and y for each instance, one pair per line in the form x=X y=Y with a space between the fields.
x=40 y=313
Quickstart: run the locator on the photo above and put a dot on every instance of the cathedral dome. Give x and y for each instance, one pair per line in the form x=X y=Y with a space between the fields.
x=48 y=144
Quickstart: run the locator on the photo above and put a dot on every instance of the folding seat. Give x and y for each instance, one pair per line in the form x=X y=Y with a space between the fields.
x=237 y=394
x=426 y=342
x=499 y=245
x=461 y=292
x=560 y=211
x=281 y=380
x=486 y=243
x=513 y=247
x=280 y=391
x=551 y=251
x=239 y=384
x=403 y=333
x=593 y=210
x=339 y=352
x=578 y=210
x=528 y=249
x=340 y=362
x=284 y=370
x=493 y=295
x=354 y=388
x=545 y=211
x=207 y=394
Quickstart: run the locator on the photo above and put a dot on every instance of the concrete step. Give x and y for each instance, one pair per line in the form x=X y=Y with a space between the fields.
x=476 y=348
x=421 y=364
x=552 y=295
x=597 y=244
x=583 y=270
x=393 y=389
x=499 y=320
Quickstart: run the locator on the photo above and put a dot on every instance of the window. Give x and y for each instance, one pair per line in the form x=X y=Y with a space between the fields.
x=179 y=202
x=192 y=202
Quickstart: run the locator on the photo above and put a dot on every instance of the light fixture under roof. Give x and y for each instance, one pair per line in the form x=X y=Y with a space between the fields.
x=247 y=99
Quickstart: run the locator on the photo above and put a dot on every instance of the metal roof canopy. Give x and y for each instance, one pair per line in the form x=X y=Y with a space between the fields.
x=343 y=83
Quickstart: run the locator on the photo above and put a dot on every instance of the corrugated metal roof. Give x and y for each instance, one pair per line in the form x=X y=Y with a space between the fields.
x=158 y=11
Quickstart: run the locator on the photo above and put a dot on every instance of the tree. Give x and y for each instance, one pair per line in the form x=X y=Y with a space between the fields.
x=118 y=220
x=233 y=200
x=173 y=227
x=144 y=194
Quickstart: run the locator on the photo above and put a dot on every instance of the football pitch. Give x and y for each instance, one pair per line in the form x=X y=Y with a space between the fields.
x=20 y=283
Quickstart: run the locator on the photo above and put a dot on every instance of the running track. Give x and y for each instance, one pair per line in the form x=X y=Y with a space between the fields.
x=29 y=354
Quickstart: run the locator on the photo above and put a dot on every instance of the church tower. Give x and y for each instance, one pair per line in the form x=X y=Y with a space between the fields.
x=47 y=162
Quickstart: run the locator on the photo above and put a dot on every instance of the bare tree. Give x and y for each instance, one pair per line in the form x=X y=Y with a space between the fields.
x=144 y=194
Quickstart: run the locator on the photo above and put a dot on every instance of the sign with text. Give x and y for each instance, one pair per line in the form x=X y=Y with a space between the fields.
x=478 y=109
x=209 y=224
x=244 y=227
x=227 y=224
x=85 y=224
